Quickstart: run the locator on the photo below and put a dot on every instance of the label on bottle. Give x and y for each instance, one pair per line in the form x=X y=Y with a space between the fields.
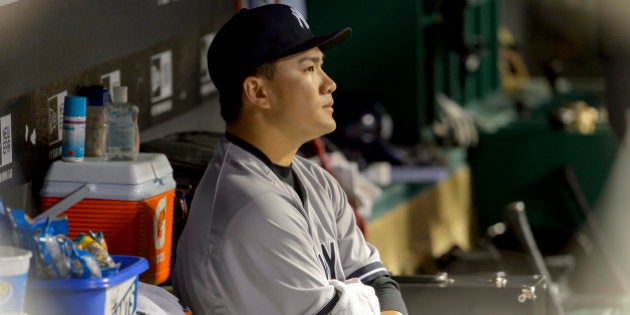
x=95 y=131
x=73 y=145
x=122 y=132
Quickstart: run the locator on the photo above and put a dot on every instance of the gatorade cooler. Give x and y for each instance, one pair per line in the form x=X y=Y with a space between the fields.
x=130 y=201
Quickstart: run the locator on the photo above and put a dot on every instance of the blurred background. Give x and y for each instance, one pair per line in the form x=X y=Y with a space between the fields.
x=448 y=112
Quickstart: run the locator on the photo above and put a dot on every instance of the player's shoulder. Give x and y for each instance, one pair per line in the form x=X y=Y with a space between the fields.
x=309 y=166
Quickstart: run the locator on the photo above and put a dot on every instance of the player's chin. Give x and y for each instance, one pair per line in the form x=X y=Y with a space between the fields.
x=332 y=125
x=328 y=126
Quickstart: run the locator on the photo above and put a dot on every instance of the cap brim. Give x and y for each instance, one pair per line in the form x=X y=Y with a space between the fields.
x=333 y=39
x=323 y=42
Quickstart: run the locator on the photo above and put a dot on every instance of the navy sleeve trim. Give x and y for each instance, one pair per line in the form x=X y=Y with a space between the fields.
x=370 y=272
x=329 y=307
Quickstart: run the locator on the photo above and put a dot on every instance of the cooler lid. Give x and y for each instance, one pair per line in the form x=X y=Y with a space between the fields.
x=147 y=168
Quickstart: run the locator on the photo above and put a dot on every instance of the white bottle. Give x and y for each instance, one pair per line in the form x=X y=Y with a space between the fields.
x=123 y=135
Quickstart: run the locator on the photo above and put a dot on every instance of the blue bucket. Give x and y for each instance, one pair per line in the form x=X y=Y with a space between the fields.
x=116 y=294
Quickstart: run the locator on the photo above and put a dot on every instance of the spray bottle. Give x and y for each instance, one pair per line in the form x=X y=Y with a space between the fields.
x=73 y=143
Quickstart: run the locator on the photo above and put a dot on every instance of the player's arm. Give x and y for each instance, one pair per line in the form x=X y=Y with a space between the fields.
x=388 y=293
x=371 y=270
x=272 y=268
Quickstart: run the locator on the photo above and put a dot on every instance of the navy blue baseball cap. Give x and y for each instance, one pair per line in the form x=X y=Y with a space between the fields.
x=263 y=34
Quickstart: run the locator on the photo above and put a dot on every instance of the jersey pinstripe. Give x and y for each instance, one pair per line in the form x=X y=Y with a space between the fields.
x=251 y=246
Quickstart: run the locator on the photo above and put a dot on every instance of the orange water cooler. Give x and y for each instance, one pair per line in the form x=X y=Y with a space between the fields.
x=130 y=201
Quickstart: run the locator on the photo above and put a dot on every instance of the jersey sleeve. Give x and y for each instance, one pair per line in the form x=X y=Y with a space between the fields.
x=388 y=293
x=361 y=259
x=269 y=263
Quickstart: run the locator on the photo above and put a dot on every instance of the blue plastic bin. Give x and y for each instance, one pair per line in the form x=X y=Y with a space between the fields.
x=114 y=295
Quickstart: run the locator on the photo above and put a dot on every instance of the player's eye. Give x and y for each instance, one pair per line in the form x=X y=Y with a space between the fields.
x=310 y=69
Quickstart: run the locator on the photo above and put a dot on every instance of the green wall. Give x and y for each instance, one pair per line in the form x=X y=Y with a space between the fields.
x=397 y=55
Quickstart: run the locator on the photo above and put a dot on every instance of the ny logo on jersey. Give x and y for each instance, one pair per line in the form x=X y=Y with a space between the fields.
x=300 y=18
x=328 y=260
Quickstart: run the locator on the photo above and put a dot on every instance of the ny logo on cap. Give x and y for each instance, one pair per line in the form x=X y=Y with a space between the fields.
x=300 y=18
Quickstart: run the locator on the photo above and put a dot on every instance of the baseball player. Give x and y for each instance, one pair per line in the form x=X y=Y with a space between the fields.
x=268 y=231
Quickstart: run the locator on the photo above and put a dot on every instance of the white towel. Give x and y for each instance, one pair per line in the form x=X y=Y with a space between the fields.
x=154 y=300
x=355 y=298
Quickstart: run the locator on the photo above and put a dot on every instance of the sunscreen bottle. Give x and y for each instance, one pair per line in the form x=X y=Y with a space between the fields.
x=73 y=141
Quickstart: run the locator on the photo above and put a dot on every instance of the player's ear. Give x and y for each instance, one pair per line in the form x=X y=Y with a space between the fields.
x=254 y=91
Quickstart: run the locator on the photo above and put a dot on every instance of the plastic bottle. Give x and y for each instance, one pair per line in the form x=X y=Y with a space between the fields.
x=123 y=136
x=73 y=143
x=96 y=120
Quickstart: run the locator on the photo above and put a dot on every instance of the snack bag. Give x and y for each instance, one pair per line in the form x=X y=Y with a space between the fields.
x=88 y=242
x=52 y=254
x=84 y=265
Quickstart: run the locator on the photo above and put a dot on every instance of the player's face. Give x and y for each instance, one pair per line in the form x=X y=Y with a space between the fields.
x=300 y=94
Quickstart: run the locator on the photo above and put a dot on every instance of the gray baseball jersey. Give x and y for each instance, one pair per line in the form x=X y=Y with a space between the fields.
x=251 y=246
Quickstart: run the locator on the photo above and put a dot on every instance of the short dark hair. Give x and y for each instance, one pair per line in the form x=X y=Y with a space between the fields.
x=230 y=99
